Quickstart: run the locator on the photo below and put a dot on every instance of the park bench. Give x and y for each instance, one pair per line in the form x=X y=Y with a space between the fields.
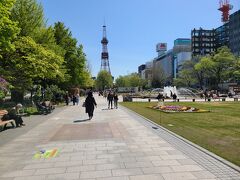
x=3 y=124
x=42 y=109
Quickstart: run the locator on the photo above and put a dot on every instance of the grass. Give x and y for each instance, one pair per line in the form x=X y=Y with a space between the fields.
x=218 y=130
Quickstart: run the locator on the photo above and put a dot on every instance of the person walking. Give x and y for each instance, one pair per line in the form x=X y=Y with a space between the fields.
x=115 y=97
x=66 y=97
x=110 y=100
x=174 y=97
x=89 y=105
x=77 y=99
x=74 y=99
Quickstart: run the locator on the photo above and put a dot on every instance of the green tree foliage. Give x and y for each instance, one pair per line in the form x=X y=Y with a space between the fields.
x=236 y=70
x=74 y=58
x=217 y=68
x=29 y=15
x=104 y=80
x=8 y=28
x=32 y=62
x=131 y=80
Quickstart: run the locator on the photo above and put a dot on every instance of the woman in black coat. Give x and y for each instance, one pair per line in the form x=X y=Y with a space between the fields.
x=89 y=104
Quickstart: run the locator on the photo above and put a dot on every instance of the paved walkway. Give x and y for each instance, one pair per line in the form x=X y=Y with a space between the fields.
x=114 y=145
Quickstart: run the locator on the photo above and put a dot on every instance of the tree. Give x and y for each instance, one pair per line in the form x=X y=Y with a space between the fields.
x=185 y=78
x=74 y=57
x=216 y=68
x=31 y=62
x=131 y=80
x=159 y=77
x=104 y=80
x=29 y=15
x=236 y=70
x=121 y=81
x=8 y=28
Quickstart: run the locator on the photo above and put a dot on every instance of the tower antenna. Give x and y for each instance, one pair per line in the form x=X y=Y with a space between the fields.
x=104 y=56
x=225 y=7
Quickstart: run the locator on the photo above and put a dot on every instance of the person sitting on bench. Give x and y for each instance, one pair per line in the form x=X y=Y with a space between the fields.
x=12 y=114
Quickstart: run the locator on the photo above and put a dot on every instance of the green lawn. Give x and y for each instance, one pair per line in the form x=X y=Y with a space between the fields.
x=217 y=131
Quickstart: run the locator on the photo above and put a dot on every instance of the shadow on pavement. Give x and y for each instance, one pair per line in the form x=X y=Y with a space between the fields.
x=81 y=120
x=107 y=109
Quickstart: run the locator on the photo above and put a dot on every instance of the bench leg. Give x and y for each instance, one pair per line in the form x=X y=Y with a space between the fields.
x=4 y=127
x=13 y=126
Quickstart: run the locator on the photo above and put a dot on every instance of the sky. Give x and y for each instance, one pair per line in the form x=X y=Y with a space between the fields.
x=134 y=27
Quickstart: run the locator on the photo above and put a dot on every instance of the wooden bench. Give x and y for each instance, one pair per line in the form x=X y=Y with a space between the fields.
x=3 y=124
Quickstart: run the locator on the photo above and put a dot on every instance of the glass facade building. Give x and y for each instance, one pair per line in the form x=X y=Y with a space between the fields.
x=234 y=33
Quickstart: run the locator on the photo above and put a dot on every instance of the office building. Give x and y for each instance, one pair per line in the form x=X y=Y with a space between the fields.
x=234 y=33
x=203 y=41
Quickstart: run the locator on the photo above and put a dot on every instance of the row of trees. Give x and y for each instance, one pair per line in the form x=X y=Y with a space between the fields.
x=105 y=80
x=210 y=71
x=32 y=53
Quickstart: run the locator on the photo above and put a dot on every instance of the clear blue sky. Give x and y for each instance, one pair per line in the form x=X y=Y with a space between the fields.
x=134 y=27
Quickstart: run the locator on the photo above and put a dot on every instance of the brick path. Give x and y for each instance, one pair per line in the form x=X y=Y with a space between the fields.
x=114 y=145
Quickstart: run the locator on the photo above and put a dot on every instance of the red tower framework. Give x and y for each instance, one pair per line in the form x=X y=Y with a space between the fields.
x=225 y=7
x=104 y=56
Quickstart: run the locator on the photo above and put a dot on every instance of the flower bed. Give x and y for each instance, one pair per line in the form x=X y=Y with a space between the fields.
x=168 y=108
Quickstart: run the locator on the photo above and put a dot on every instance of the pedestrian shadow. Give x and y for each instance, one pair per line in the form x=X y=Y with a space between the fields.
x=81 y=120
x=106 y=109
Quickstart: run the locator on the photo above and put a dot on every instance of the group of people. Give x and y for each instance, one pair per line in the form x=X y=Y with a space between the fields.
x=90 y=102
x=75 y=98
x=13 y=114
x=112 y=97
x=160 y=96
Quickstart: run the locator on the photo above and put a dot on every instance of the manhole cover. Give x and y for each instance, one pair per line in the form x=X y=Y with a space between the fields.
x=83 y=131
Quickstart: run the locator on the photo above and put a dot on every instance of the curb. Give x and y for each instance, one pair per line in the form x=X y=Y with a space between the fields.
x=220 y=159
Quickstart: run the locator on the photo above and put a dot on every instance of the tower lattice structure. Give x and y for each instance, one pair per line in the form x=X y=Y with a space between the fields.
x=104 y=56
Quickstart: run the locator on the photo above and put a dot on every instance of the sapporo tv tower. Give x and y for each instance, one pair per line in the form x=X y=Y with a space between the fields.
x=104 y=56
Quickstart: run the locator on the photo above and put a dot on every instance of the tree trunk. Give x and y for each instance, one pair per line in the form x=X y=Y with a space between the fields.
x=17 y=96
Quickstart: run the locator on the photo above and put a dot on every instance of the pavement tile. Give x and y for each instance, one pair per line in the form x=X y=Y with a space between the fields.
x=155 y=170
x=42 y=177
x=138 y=164
x=186 y=168
x=186 y=161
x=147 y=177
x=81 y=168
x=110 y=166
x=126 y=172
x=64 y=176
x=114 y=178
x=39 y=166
x=178 y=176
x=165 y=162
x=95 y=161
x=203 y=175
x=95 y=174
x=68 y=164
x=50 y=171
x=19 y=173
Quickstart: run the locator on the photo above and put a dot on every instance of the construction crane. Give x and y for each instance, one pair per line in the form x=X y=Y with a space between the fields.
x=225 y=7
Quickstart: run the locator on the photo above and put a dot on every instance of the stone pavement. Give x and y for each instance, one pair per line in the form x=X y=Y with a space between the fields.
x=115 y=145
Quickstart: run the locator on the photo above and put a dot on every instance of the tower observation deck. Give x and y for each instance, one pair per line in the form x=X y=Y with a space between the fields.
x=104 y=56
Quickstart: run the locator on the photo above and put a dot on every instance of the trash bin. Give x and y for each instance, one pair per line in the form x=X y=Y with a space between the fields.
x=193 y=100
x=209 y=99
x=177 y=100
x=149 y=100
x=223 y=99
